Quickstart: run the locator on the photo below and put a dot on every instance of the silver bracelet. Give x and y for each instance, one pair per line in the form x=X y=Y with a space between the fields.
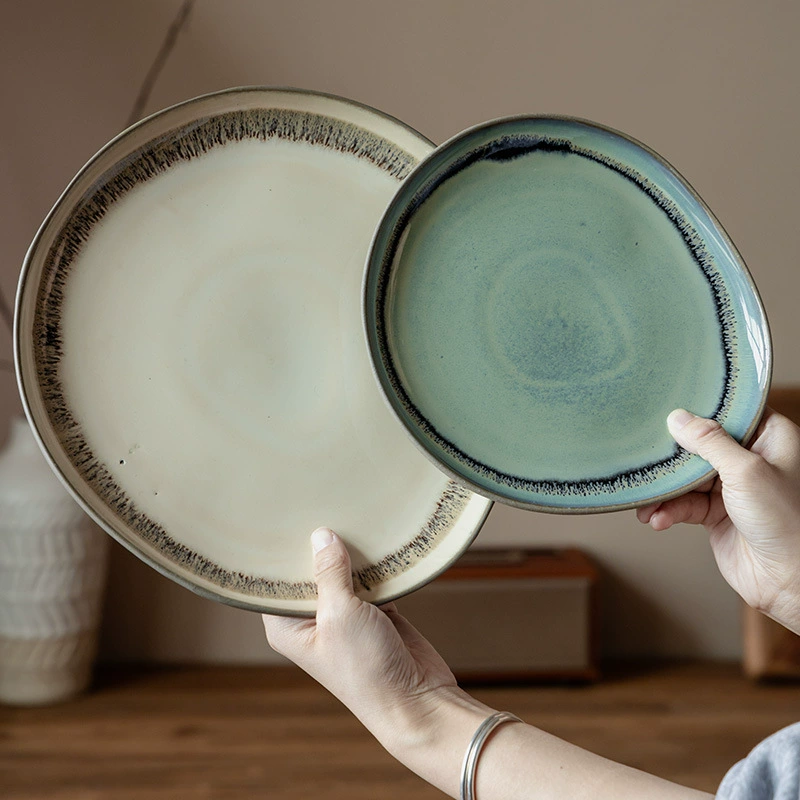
x=479 y=738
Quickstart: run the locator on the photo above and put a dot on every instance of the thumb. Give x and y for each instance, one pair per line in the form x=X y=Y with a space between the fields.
x=332 y=569
x=707 y=439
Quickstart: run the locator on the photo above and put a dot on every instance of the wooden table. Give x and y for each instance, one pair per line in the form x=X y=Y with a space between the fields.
x=225 y=733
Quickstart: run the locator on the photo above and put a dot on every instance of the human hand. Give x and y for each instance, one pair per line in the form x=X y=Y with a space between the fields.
x=374 y=661
x=393 y=680
x=751 y=510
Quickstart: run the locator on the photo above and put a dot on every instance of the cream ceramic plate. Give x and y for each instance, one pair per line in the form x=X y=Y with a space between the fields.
x=190 y=352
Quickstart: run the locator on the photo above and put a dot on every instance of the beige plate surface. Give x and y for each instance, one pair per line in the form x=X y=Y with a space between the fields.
x=190 y=352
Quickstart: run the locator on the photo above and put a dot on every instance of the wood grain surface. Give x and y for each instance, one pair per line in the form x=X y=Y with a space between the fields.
x=223 y=733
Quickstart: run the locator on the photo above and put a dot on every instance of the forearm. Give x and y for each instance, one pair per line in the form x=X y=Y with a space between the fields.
x=518 y=760
x=382 y=669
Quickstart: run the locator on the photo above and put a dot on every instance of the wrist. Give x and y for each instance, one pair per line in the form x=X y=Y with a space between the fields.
x=430 y=734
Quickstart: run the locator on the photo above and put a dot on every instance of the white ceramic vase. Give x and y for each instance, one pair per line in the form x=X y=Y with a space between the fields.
x=53 y=562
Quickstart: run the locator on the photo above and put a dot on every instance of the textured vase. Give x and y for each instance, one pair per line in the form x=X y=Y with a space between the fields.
x=53 y=562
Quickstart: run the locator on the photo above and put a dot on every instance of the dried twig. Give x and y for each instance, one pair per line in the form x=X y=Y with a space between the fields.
x=6 y=313
x=8 y=318
x=181 y=19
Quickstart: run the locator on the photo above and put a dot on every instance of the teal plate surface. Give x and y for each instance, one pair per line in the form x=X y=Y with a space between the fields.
x=539 y=295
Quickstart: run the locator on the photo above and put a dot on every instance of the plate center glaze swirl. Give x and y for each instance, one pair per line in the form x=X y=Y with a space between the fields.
x=574 y=334
x=542 y=300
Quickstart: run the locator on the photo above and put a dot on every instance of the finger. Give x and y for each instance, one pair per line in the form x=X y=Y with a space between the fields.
x=645 y=513
x=777 y=440
x=709 y=440
x=332 y=570
x=691 y=508
x=707 y=486
x=286 y=633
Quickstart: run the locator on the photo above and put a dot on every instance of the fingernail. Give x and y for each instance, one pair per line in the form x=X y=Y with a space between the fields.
x=679 y=418
x=321 y=538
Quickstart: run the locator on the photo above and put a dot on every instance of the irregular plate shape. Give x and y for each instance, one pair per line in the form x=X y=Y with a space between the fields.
x=191 y=357
x=540 y=294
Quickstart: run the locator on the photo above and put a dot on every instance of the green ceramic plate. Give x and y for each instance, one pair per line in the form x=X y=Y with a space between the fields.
x=539 y=295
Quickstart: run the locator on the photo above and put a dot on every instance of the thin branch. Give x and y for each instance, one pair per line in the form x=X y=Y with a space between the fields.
x=6 y=313
x=181 y=19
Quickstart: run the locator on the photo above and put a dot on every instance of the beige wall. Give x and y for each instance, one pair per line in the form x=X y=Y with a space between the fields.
x=711 y=85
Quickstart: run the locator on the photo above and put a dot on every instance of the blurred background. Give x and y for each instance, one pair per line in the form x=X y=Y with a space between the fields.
x=711 y=86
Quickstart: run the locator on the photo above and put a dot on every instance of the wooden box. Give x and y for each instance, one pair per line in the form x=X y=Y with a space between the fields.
x=513 y=615
x=770 y=651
